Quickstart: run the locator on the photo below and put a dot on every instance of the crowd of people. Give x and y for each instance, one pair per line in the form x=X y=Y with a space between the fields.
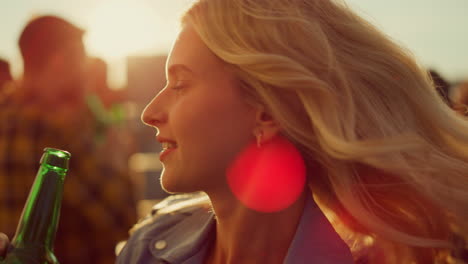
x=454 y=94
x=62 y=100
x=380 y=145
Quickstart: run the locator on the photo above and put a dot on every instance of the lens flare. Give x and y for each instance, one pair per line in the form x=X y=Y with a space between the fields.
x=268 y=178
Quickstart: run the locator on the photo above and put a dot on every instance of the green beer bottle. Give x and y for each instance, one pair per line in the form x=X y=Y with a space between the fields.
x=34 y=238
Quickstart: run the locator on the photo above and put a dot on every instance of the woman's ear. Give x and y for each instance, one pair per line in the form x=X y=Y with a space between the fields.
x=266 y=125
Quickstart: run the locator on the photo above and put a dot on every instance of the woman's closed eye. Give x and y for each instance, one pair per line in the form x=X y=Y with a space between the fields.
x=180 y=84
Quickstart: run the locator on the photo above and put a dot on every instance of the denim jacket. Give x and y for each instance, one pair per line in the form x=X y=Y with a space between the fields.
x=183 y=235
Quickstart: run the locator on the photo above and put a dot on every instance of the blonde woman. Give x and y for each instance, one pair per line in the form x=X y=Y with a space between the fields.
x=386 y=159
x=386 y=162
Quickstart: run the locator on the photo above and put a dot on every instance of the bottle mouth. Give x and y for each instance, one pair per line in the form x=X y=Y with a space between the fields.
x=56 y=158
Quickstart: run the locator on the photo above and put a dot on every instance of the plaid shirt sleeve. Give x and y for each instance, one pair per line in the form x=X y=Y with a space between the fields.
x=98 y=203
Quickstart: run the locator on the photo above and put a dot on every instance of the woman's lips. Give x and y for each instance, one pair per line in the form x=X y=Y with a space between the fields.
x=163 y=154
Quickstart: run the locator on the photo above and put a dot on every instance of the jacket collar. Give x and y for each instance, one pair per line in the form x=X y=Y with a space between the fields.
x=189 y=237
x=315 y=239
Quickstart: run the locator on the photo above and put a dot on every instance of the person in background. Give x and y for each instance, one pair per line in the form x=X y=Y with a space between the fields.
x=48 y=109
x=97 y=84
x=113 y=135
x=6 y=80
x=459 y=98
x=5 y=74
x=442 y=86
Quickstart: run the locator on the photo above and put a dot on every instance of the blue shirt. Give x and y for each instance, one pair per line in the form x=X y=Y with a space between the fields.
x=183 y=236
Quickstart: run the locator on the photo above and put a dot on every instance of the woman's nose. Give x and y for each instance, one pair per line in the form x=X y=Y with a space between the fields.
x=153 y=115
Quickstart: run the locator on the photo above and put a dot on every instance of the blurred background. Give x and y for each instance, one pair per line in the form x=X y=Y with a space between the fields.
x=133 y=37
x=435 y=30
x=126 y=43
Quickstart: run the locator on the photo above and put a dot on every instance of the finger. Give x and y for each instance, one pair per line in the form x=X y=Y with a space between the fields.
x=4 y=242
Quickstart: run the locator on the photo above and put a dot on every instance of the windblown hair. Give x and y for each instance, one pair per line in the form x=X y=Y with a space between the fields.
x=384 y=153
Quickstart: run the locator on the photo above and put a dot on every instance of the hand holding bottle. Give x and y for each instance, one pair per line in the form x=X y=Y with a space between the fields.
x=4 y=242
x=35 y=234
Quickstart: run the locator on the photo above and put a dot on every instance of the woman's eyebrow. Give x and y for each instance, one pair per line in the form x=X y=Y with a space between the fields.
x=176 y=68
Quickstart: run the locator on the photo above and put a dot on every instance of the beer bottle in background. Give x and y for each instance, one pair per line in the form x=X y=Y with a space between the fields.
x=35 y=235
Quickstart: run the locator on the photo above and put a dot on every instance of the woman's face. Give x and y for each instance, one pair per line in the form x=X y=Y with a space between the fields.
x=202 y=110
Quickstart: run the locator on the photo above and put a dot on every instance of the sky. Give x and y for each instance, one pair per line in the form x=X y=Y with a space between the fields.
x=436 y=31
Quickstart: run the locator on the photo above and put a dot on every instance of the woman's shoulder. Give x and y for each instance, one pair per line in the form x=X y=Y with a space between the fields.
x=170 y=224
x=173 y=209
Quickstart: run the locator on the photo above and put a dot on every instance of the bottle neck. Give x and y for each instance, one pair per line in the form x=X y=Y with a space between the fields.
x=39 y=220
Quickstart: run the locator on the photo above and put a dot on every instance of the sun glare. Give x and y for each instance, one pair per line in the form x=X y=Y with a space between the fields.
x=118 y=28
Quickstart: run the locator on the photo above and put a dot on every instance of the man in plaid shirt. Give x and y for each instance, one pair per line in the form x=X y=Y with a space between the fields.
x=47 y=109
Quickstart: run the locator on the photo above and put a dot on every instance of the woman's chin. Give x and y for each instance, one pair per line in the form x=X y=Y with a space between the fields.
x=168 y=186
x=173 y=186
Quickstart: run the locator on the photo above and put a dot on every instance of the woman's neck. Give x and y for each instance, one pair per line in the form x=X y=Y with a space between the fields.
x=247 y=236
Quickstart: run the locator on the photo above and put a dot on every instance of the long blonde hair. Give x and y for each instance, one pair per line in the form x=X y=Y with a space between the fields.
x=385 y=154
